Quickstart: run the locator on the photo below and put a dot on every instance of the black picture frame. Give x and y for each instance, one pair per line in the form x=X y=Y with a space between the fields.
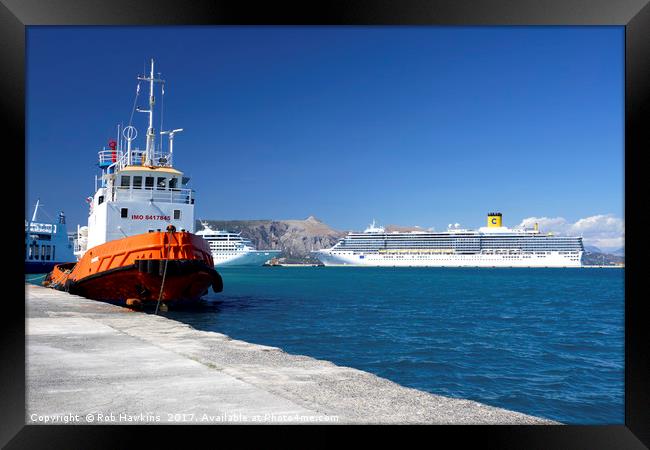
x=15 y=15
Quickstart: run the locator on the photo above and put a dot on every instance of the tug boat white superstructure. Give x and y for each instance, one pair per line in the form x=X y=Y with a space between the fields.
x=490 y=246
x=230 y=249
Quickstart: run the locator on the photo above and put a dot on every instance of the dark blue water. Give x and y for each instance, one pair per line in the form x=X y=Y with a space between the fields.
x=547 y=342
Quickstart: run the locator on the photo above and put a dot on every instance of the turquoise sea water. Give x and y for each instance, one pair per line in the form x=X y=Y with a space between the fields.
x=546 y=342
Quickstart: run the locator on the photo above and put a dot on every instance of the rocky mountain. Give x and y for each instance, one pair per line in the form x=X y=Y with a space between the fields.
x=601 y=259
x=296 y=238
x=618 y=252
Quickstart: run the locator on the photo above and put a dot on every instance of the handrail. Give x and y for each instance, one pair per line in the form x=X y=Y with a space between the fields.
x=171 y=195
x=120 y=158
x=36 y=227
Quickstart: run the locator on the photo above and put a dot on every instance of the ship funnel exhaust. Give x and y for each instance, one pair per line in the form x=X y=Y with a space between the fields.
x=494 y=220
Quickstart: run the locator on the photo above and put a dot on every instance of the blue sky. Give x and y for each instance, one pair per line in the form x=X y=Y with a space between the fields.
x=409 y=125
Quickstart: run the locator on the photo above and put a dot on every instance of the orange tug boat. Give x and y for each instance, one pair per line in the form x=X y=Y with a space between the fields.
x=165 y=266
x=131 y=250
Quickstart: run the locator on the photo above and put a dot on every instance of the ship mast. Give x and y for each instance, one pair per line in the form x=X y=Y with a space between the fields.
x=38 y=201
x=150 y=132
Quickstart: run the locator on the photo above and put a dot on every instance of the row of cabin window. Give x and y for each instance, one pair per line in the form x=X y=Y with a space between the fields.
x=125 y=182
x=124 y=213
x=47 y=251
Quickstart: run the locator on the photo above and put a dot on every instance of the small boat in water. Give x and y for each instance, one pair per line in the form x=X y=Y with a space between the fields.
x=139 y=245
x=46 y=243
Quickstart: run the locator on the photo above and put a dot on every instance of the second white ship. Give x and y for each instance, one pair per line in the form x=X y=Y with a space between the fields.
x=230 y=249
x=490 y=246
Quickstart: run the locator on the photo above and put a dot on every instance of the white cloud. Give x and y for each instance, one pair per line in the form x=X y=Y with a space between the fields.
x=605 y=231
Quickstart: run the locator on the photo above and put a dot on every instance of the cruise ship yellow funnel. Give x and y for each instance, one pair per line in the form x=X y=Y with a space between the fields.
x=494 y=220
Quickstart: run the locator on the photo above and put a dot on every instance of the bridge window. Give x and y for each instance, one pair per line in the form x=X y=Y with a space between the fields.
x=125 y=181
x=162 y=183
x=173 y=182
x=148 y=182
x=124 y=213
x=137 y=182
x=100 y=200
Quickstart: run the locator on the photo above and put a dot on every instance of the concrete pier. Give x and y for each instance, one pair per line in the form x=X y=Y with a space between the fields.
x=89 y=361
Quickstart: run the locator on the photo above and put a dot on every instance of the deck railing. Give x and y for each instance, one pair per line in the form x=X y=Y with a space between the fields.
x=35 y=227
x=120 y=159
x=167 y=195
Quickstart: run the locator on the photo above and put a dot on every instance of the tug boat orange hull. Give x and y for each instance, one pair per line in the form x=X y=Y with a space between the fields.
x=173 y=266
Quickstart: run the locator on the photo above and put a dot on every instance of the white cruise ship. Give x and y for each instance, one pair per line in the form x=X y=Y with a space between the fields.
x=490 y=246
x=230 y=249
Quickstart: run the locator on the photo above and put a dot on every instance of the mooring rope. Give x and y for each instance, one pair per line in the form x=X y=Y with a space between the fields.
x=162 y=284
x=37 y=277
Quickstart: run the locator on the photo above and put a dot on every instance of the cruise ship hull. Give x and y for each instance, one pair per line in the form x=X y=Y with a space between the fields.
x=250 y=258
x=551 y=259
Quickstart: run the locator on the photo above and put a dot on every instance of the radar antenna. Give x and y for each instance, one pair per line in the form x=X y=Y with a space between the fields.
x=171 y=141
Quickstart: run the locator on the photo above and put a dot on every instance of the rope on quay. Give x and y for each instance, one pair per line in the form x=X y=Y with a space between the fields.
x=170 y=230
x=36 y=277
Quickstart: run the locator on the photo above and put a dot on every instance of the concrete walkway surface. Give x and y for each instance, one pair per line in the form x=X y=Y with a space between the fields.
x=93 y=362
